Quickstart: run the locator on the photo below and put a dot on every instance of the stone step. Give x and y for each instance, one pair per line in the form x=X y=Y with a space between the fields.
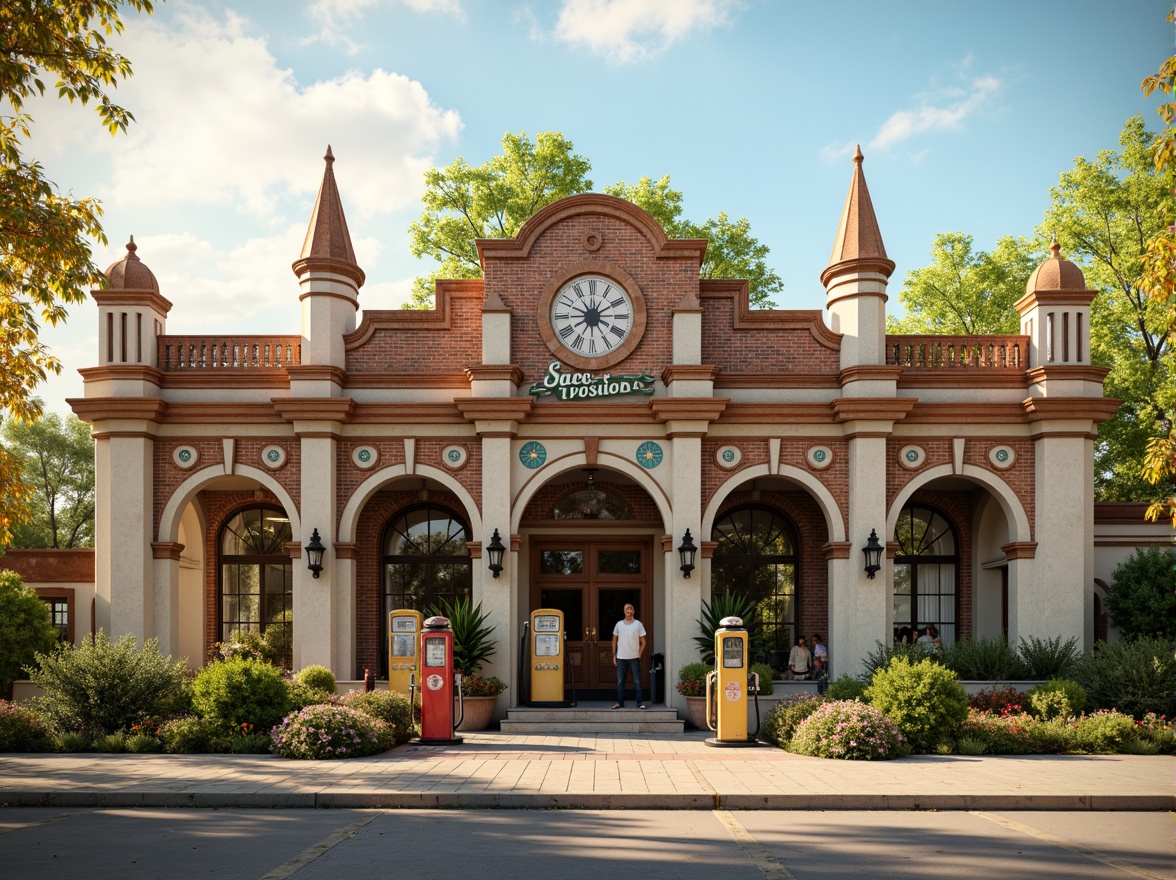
x=560 y=728
x=591 y=718
x=603 y=716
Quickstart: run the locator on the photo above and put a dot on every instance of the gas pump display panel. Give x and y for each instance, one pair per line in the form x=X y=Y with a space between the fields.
x=733 y=653
x=404 y=644
x=547 y=645
x=546 y=623
x=403 y=624
x=434 y=652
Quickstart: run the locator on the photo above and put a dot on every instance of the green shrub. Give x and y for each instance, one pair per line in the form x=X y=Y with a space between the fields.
x=102 y=687
x=241 y=691
x=246 y=741
x=731 y=604
x=109 y=742
x=848 y=729
x=1135 y=676
x=301 y=696
x=391 y=708
x=923 y=699
x=1103 y=733
x=243 y=644
x=1157 y=730
x=1048 y=658
x=1001 y=700
x=25 y=629
x=473 y=644
x=765 y=673
x=692 y=679
x=967 y=745
x=1142 y=598
x=780 y=723
x=999 y=734
x=73 y=741
x=279 y=638
x=328 y=732
x=193 y=736
x=983 y=660
x=22 y=729
x=317 y=677
x=142 y=743
x=846 y=688
x=883 y=653
x=1057 y=698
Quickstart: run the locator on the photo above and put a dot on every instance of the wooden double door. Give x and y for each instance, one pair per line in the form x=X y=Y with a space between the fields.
x=590 y=581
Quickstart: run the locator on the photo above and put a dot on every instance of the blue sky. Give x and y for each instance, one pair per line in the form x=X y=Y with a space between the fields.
x=966 y=112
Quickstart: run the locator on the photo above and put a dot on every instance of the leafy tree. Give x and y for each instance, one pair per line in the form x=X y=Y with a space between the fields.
x=25 y=629
x=1159 y=279
x=463 y=203
x=966 y=291
x=1104 y=213
x=14 y=497
x=58 y=460
x=1142 y=598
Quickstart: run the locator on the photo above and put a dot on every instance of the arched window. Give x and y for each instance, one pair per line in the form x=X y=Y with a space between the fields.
x=926 y=568
x=256 y=576
x=426 y=559
x=756 y=555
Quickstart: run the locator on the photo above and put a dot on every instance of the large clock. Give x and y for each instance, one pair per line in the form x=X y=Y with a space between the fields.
x=593 y=320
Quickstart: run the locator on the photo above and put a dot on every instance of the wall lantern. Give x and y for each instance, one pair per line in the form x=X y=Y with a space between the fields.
x=873 y=554
x=314 y=553
x=686 y=554
x=495 y=551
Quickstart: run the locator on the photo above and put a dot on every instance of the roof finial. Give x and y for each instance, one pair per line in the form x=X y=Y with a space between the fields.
x=329 y=157
x=858 y=158
x=1055 y=248
x=131 y=248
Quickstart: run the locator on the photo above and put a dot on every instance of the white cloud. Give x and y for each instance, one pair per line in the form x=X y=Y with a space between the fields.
x=220 y=123
x=945 y=111
x=334 y=17
x=632 y=30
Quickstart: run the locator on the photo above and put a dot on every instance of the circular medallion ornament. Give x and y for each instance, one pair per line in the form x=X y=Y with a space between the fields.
x=434 y=682
x=728 y=457
x=592 y=240
x=819 y=457
x=364 y=456
x=649 y=455
x=185 y=456
x=273 y=456
x=1002 y=456
x=533 y=454
x=455 y=457
x=733 y=692
x=912 y=457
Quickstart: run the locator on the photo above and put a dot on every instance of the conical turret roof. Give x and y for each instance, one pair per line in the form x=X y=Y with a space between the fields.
x=327 y=242
x=859 y=240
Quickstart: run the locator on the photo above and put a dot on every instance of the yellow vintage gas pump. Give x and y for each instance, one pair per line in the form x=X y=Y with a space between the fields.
x=404 y=628
x=548 y=657
x=727 y=686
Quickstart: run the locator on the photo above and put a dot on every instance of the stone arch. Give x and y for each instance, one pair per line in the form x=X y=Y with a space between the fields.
x=820 y=493
x=173 y=511
x=349 y=516
x=577 y=460
x=1013 y=509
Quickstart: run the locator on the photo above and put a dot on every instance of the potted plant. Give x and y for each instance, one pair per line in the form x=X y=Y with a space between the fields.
x=472 y=646
x=692 y=685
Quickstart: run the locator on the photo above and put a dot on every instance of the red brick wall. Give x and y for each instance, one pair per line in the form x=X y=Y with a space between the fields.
x=754 y=350
x=542 y=506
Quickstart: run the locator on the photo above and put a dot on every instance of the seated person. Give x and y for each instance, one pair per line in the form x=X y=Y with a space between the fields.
x=800 y=660
x=928 y=641
x=820 y=657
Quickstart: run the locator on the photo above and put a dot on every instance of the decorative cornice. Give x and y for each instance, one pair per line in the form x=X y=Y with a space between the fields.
x=97 y=409
x=689 y=373
x=437 y=318
x=1121 y=512
x=869 y=373
x=1097 y=409
x=1068 y=372
x=708 y=409
x=777 y=381
x=633 y=412
x=747 y=318
x=492 y=372
x=974 y=379
x=1055 y=298
x=888 y=409
x=965 y=412
x=260 y=380
x=329 y=409
x=346 y=550
x=166 y=550
x=777 y=413
x=511 y=409
x=235 y=412
x=132 y=298
x=414 y=381
x=122 y=372
x=317 y=373
x=440 y=413
x=837 y=549
x=1019 y=549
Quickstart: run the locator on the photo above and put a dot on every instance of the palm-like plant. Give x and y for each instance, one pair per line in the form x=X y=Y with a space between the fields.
x=713 y=612
x=472 y=644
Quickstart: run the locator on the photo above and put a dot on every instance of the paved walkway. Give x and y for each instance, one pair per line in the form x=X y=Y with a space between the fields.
x=592 y=772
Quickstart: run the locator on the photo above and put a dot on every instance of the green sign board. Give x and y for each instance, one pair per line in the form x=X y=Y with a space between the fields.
x=585 y=386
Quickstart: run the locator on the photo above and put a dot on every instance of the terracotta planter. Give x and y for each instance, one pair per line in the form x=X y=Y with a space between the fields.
x=696 y=712
x=478 y=712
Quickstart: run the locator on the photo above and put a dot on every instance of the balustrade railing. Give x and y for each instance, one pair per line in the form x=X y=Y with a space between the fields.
x=184 y=353
x=958 y=352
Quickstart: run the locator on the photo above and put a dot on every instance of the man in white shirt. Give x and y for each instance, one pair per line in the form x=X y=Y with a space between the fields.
x=628 y=645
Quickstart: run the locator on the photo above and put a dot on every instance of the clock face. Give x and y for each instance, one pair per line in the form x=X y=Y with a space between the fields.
x=592 y=316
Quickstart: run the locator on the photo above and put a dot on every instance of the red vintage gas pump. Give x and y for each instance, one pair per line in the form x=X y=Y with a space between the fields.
x=439 y=685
